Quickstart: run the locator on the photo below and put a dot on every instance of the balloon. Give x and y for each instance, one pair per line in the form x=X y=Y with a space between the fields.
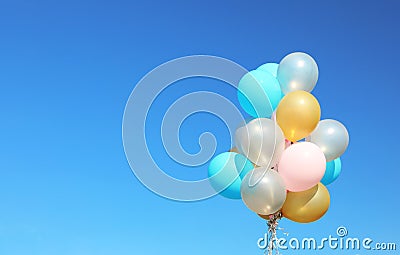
x=302 y=166
x=273 y=116
x=298 y=114
x=333 y=169
x=297 y=71
x=263 y=191
x=234 y=149
x=307 y=206
x=265 y=217
x=259 y=93
x=332 y=137
x=261 y=141
x=226 y=172
x=271 y=68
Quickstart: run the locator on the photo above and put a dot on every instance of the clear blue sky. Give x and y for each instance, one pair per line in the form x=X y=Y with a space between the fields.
x=68 y=67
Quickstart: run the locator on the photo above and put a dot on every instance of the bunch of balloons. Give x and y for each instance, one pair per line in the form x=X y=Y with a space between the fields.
x=284 y=155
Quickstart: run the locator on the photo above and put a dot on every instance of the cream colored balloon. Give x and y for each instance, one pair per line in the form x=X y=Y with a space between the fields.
x=261 y=141
x=332 y=137
x=263 y=191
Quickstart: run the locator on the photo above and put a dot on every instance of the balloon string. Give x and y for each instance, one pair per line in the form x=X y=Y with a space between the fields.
x=272 y=224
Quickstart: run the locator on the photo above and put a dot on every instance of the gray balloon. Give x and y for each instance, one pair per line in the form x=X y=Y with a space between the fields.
x=261 y=141
x=297 y=71
x=263 y=191
x=332 y=138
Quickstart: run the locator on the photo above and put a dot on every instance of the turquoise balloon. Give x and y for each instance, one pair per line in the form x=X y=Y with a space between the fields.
x=226 y=172
x=259 y=93
x=333 y=169
x=271 y=68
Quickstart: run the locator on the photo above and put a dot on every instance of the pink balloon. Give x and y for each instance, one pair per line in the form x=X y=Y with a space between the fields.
x=302 y=166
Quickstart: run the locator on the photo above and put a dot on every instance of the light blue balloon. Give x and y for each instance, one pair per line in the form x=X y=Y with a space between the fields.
x=333 y=169
x=225 y=168
x=297 y=71
x=271 y=68
x=259 y=93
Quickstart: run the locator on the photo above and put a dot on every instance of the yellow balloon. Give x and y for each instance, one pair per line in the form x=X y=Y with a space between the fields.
x=298 y=114
x=234 y=149
x=307 y=206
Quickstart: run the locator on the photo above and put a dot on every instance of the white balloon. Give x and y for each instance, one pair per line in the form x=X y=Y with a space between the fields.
x=297 y=71
x=332 y=138
x=261 y=141
x=263 y=191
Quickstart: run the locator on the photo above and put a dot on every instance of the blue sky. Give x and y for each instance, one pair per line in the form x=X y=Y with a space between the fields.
x=67 y=69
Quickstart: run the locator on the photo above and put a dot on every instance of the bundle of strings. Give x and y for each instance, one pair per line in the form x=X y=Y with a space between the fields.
x=272 y=224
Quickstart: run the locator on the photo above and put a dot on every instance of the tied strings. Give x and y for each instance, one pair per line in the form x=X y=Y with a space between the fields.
x=272 y=223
